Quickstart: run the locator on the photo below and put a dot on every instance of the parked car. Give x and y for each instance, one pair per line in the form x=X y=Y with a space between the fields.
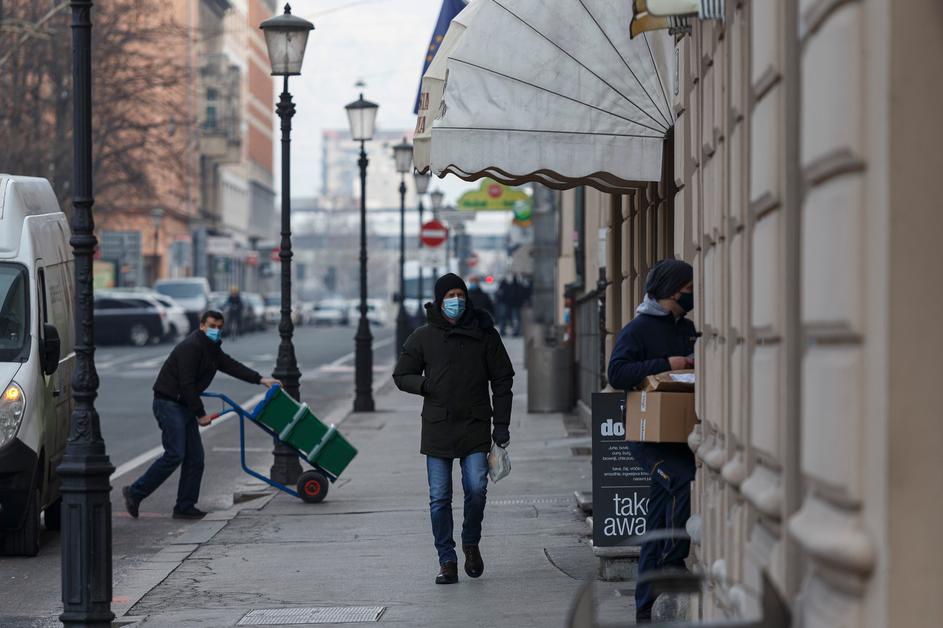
x=376 y=311
x=273 y=310
x=331 y=312
x=253 y=311
x=192 y=293
x=128 y=319
x=178 y=325
x=37 y=358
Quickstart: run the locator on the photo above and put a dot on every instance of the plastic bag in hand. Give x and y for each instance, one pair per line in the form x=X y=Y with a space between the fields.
x=499 y=463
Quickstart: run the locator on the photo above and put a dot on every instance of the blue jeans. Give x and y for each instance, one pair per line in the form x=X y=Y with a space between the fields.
x=180 y=435
x=475 y=483
x=668 y=509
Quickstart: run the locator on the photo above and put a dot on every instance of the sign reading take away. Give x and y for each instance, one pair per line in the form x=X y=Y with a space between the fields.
x=620 y=484
x=434 y=234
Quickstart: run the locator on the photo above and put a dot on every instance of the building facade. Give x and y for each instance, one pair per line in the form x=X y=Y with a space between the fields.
x=798 y=182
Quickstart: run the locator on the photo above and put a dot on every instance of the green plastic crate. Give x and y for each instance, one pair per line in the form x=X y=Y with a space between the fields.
x=297 y=426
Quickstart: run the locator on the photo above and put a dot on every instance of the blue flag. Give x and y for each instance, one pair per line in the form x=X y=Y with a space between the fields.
x=450 y=8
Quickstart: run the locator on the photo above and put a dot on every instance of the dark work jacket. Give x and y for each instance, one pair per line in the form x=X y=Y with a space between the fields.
x=642 y=349
x=190 y=368
x=451 y=366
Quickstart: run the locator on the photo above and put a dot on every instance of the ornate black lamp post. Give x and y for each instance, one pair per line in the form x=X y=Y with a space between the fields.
x=437 y=196
x=362 y=115
x=85 y=469
x=286 y=37
x=403 y=155
x=422 y=186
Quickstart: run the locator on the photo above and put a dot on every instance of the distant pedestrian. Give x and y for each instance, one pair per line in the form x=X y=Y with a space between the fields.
x=185 y=375
x=517 y=295
x=450 y=361
x=478 y=297
x=503 y=305
x=234 y=307
x=660 y=339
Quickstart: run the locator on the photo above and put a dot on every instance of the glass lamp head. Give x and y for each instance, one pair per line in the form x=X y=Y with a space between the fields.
x=362 y=115
x=403 y=155
x=286 y=37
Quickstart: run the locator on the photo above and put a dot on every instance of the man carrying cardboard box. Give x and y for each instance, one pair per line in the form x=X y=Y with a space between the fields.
x=660 y=339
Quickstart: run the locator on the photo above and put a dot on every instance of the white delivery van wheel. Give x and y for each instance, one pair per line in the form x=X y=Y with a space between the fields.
x=52 y=515
x=139 y=335
x=25 y=541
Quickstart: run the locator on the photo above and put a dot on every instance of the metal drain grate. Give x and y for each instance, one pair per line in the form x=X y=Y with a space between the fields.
x=529 y=501
x=310 y=616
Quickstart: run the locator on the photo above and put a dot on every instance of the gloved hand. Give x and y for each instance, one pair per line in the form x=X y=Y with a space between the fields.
x=501 y=435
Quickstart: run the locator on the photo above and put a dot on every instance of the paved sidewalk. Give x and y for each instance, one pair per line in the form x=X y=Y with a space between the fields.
x=370 y=542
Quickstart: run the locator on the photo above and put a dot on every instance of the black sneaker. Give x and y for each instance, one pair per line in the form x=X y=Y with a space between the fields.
x=474 y=565
x=189 y=513
x=131 y=502
x=448 y=573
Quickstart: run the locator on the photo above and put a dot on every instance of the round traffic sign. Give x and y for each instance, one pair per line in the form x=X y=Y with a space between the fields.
x=434 y=234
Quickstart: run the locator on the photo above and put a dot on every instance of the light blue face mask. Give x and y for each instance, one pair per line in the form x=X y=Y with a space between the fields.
x=453 y=307
x=214 y=334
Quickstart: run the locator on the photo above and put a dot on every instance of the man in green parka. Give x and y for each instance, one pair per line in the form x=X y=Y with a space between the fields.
x=451 y=361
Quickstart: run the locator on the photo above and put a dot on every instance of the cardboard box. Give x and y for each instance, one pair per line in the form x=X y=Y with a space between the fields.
x=659 y=417
x=670 y=381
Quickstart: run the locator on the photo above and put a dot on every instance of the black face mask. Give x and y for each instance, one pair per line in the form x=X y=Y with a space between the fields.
x=686 y=301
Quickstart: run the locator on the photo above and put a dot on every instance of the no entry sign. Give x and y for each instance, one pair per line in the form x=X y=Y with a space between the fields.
x=434 y=234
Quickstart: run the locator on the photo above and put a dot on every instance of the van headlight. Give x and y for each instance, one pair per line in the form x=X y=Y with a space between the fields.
x=12 y=404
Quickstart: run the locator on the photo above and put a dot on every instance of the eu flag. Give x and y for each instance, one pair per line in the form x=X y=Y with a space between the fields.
x=450 y=8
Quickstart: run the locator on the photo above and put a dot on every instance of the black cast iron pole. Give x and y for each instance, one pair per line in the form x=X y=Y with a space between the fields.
x=420 y=318
x=363 y=341
x=285 y=467
x=402 y=318
x=85 y=469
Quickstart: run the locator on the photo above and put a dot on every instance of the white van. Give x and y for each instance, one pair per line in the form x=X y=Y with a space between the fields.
x=192 y=293
x=37 y=358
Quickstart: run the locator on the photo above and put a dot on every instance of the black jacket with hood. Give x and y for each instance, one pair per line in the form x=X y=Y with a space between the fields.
x=451 y=366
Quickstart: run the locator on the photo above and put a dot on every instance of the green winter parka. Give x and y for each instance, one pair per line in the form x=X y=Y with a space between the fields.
x=451 y=367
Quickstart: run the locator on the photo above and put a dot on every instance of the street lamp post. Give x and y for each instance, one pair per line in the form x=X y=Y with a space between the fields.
x=85 y=470
x=403 y=155
x=362 y=115
x=422 y=186
x=437 y=196
x=157 y=217
x=286 y=37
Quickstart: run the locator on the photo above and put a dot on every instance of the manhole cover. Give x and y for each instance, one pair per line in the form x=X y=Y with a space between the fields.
x=307 y=616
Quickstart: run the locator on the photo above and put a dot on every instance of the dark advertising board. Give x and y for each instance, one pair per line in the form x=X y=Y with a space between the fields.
x=620 y=484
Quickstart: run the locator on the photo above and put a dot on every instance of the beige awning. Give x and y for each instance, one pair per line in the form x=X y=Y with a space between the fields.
x=433 y=83
x=561 y=97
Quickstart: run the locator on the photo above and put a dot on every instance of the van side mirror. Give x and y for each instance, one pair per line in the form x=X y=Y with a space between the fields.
x=51 y=349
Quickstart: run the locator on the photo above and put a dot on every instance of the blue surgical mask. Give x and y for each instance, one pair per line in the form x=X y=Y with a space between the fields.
x=214 y=334
x=453 y=307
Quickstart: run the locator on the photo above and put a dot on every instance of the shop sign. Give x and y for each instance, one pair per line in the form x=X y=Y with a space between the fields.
x=620 y=484
x=493 y=196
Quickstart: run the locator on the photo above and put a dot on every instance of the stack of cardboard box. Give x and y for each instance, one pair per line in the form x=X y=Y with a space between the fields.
x=663 y=410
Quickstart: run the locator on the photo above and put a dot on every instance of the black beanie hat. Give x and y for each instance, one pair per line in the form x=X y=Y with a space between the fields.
x=448 y=282
x=667 y=277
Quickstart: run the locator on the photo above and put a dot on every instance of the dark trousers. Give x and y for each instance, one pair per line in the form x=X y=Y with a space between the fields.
x=668 y=509
x=475 y=484
x=183 y=447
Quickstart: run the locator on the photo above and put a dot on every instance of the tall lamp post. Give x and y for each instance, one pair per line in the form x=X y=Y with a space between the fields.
x=157 y=217
x=286 y=37
x=85 y=470
x=437 y=196
x=403 y=155
x=362 y=115
x=422 y=186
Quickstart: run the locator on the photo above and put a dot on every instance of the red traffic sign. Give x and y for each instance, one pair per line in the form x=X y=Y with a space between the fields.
x=434 y=234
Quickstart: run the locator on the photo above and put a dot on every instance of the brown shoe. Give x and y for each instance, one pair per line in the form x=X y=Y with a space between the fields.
x=474 y=565
x=448 y=573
